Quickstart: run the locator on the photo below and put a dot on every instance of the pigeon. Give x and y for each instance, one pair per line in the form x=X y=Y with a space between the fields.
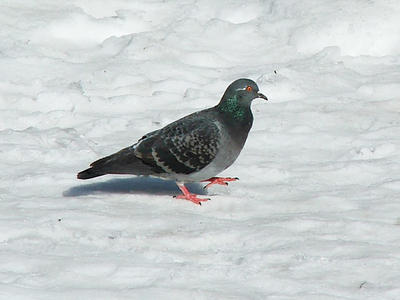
x=194 y=148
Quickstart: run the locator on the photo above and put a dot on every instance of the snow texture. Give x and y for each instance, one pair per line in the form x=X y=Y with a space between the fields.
x=316 y=213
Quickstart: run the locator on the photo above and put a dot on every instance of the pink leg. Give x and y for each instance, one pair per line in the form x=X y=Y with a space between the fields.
x=219 y=180
x=188 y=195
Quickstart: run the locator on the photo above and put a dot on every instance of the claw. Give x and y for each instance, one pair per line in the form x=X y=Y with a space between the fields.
x=219 y=180
x=189 y=196
x=192 y=197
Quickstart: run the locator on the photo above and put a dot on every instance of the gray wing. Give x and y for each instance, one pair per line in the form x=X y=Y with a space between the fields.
x=182 y=147
x=124 y=161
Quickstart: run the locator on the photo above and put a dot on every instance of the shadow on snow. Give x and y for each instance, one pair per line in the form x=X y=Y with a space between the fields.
x=135 y=185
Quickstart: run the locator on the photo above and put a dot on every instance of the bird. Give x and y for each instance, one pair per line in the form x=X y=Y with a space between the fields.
x=195 y=148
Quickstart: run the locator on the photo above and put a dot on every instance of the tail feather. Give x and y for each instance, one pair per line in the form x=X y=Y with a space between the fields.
x=89 y=173
x=122 y=162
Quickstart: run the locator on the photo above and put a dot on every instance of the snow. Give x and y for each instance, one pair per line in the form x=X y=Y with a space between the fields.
x=315 y=214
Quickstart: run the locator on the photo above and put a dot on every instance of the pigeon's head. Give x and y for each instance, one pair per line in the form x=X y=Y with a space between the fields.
x=242 y=92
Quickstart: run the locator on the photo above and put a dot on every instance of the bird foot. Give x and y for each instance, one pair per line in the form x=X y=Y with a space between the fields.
x=189 y=196
x=192 y=197
x=219 y=180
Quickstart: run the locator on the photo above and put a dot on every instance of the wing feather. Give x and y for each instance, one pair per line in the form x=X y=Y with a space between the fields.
x=182 y=147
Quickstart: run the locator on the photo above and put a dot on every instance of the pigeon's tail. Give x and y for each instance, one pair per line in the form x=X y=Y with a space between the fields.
x=89 y=173
x=122 y=162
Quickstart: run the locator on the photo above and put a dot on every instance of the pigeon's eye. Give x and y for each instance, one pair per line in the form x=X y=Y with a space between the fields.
x=249 y=88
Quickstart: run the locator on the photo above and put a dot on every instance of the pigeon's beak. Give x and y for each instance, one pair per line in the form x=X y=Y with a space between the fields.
x=262 y=96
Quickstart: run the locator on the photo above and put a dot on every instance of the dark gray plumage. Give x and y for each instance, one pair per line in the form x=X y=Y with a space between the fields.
x=194 y=148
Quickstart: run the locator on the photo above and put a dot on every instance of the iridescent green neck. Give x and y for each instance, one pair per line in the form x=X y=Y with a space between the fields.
x=232 y=107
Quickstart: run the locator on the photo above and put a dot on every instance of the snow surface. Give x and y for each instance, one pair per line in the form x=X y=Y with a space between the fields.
x=316 y=213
